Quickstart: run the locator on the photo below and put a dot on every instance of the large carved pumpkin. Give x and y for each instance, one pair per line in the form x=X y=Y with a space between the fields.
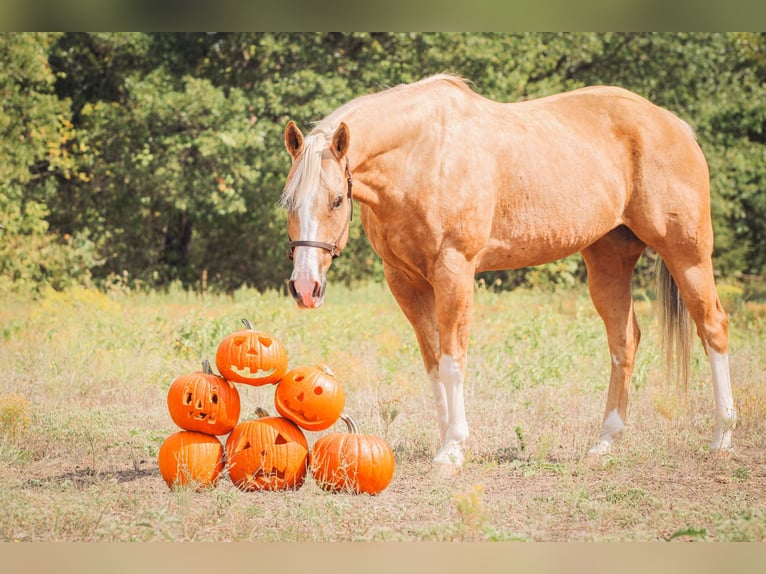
x=268 y=453
x=204 y=402
x=311 y=397
x=251 y=357
x=352 y=462
x=191 y=458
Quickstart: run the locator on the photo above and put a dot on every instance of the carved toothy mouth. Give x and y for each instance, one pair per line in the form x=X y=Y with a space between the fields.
x=300 y=412
x=198 y=416
x=247 y=372
x=261 y=473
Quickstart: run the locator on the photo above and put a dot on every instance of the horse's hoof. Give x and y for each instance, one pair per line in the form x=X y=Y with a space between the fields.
x=598 y=455
x=449 y=461
x=601 y=448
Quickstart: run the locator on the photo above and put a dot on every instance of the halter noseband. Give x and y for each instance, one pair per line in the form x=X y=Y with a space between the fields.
x=331 y=247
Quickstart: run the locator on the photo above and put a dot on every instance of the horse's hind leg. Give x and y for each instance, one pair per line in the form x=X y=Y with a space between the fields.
x=693 y=275
x=610 y=262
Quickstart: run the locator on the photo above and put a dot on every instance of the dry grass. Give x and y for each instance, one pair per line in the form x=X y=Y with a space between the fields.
x=82 y=415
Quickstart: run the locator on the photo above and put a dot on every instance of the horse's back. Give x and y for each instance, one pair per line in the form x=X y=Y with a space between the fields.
x=569 y=168
x=522 y=183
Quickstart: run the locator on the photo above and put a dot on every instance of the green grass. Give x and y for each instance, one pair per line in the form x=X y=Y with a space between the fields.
x=83 y=412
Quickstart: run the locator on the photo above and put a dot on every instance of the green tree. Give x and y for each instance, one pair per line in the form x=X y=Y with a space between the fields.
x=162 y=153
x=35 y=133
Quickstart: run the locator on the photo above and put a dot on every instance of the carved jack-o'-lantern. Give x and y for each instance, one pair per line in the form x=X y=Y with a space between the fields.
x=269 y=453
x=191 y=458
x=204 y=402
x=251 y=357
x=311 y=397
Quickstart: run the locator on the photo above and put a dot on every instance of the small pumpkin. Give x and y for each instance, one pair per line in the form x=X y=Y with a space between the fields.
x=267 y=453
x=191 y=458
x=204 y=402
x=251 y=357
x=352 y=462
x=311 y=397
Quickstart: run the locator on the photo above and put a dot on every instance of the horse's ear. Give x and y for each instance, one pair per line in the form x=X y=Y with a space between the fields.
x=340 y=141
x=293 y=139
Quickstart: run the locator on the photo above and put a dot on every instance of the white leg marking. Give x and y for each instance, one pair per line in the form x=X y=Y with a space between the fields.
x=440 y=398
x=451 y=377
x=611 y=429
x=725 y=414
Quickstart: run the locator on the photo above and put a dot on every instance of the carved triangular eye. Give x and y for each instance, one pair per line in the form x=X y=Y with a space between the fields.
x=188 y=398
x=280 y=439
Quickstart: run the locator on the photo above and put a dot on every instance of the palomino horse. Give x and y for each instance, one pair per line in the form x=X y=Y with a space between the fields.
x=451 y=183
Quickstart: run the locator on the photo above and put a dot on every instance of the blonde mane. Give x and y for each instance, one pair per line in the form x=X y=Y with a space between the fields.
x=308 y=168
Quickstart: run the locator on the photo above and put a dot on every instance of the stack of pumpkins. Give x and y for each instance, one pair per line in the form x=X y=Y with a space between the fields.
x=269 y=452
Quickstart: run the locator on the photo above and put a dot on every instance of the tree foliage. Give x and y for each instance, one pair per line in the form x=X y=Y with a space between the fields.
x=35 y=133
x=155 y=157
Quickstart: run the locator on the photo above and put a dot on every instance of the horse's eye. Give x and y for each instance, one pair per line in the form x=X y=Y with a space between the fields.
x=338 y=201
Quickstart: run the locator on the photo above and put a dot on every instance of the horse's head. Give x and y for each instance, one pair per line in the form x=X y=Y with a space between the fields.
x=317 y=195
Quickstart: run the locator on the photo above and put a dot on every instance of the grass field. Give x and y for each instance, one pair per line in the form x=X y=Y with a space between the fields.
x=83 y=412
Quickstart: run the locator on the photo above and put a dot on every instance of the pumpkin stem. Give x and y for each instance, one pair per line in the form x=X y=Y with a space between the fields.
x=206 y=367
x=353 y=428
x=261 y=413
x=248 y=325
x=325 y=369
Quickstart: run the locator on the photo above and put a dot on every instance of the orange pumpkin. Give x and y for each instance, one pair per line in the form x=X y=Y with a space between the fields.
x=311 y=397
x=191 y=458
x=268 y=453
x=204 y=402
x=352 y=462
x=251 y=357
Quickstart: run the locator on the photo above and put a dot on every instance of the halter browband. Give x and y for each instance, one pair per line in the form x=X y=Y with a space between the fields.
x=331 y=247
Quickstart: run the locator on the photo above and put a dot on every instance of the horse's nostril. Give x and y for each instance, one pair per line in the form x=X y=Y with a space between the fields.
x=322 y=288
x=292 y=290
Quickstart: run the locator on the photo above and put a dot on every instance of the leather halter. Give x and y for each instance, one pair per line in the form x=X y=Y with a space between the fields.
x=331 y=247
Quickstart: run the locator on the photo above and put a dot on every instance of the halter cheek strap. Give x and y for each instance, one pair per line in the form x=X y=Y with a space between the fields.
x=331 y=247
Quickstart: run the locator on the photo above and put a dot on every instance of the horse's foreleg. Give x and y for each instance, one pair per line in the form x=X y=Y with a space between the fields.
x=610 y=264
x=416 y=299
x=453 y=289
x=440 y=400
x=451 y=375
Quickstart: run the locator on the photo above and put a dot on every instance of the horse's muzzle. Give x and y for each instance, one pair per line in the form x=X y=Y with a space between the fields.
x=308 y=294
